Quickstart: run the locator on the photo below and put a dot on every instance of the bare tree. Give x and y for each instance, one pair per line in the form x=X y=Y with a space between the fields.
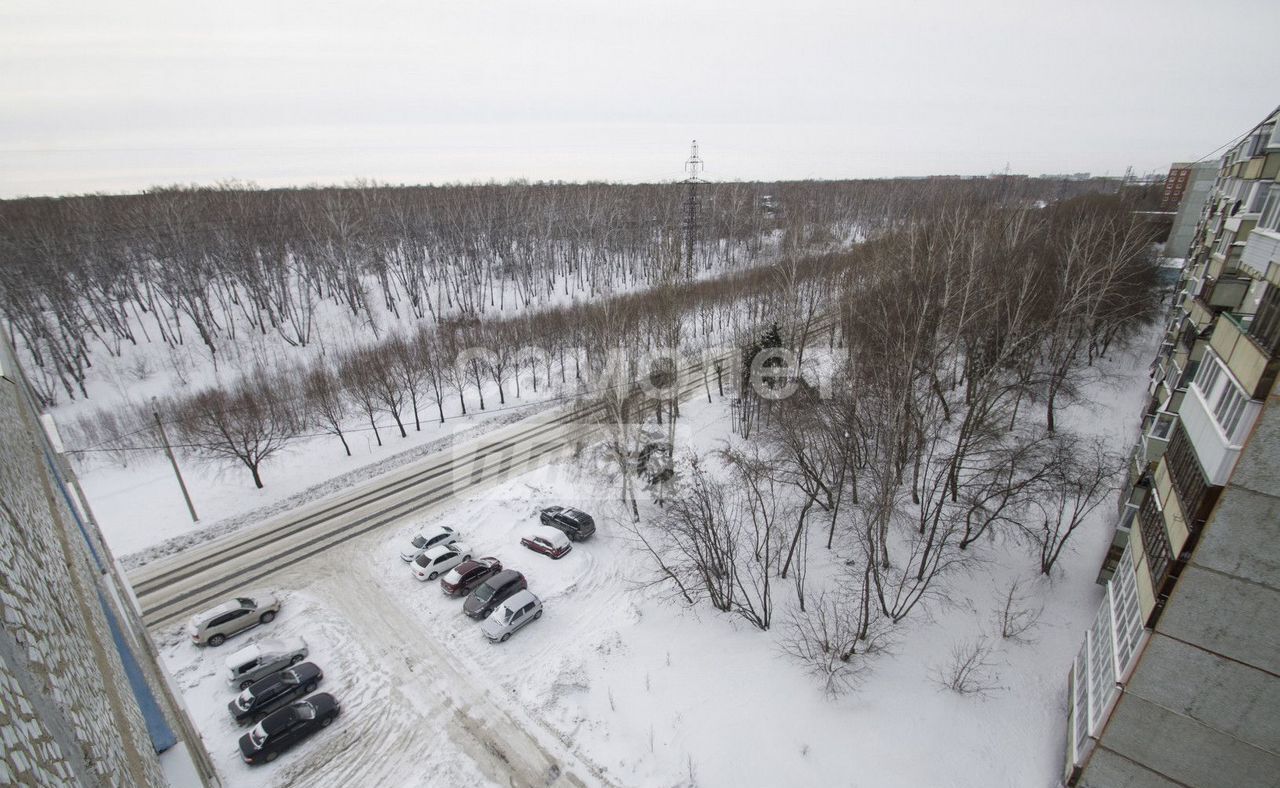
x=246 y=425
x=970 y=669
x=326 y=401
x=1084 y=474
x=834 y=639
x=1016 y=616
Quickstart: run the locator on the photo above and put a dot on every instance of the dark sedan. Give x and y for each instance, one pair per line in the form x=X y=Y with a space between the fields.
x=577 y=525
x=491 y=593
x=282 y=729
x=467 y=575
x=269 y=694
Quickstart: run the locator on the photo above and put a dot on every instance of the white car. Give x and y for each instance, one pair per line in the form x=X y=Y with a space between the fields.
x=437 y=560
x=215 y=625
x=264 y=658
x=517 y=610
x=441 y=534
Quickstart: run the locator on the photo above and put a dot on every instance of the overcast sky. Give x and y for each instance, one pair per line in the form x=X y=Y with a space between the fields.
x=117 y=96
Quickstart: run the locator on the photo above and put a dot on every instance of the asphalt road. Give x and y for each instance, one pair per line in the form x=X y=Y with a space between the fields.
x=171 y=589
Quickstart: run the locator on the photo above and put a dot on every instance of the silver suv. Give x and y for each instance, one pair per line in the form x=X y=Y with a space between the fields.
x=214 y=626
x=264 y=658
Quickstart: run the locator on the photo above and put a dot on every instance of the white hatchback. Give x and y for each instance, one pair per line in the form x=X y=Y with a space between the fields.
x=517 y=610
x=426 y=539
x=437 y=560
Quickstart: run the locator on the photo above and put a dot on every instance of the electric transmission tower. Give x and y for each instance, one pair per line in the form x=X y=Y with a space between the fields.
x=693 y=166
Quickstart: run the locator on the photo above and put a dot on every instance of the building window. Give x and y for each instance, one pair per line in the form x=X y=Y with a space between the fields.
x=1258 y=196
x=1226 y=401
x=1258 y=142
x=1265 y=326
x=1207 y=378
x=1230 y=407
x=1270 y=219
x=1126 y=611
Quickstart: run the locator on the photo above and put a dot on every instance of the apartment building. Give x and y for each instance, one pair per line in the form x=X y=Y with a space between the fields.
x=83 y=699
x=1175 y=184
x=1178 y=680
x=1190 y=208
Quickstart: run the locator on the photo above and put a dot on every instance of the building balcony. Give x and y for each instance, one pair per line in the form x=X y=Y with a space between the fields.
x=1157 y=431
x=1249 y=344
x=1196 y=492
x=1262 y=248
x=1227 y=292
x=1216 y=451
x=1199 y=313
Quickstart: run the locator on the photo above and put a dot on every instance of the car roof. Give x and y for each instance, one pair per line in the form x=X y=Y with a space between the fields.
x=519 y=599
x=503 y=577
x=435 y=530
x=267 y=646
x=435 y=551
x=225 y=607
x=552 y=535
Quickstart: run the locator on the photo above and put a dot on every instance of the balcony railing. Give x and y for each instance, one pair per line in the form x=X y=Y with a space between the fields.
x=1250 y=346
x=1195 y=493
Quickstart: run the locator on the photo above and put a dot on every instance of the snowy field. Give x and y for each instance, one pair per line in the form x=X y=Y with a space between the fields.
x=633 y=690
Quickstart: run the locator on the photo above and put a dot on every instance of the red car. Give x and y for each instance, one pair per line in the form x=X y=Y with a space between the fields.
x=464 y=577
x=546 y=540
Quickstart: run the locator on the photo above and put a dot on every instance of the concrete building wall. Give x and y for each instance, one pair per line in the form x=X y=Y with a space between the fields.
x=1199 y=183
x=1202 y=707
x=69 y=714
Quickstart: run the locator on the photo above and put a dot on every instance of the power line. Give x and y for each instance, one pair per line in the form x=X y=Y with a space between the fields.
x=1236 y=138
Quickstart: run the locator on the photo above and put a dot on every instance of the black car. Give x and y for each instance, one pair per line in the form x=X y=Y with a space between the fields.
x=485 y=599
x=575 y=524
x=267 y=695
x=282 y=729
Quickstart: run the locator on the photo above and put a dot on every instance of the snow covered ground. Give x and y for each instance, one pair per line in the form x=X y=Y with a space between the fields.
x=631 y=690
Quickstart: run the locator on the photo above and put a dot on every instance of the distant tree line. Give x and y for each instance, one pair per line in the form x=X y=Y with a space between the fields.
x=88 y=274
x=408 y=377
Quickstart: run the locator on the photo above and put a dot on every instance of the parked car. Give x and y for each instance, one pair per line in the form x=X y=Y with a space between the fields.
x=263 y=658
x=214 y=626
x=282 y=729
x=546 y=540
x=492 y=592
x=426 y=539
x=459 y=580
x=266 y=695
x=437 y=560
x=519 y=609
x=576 y=524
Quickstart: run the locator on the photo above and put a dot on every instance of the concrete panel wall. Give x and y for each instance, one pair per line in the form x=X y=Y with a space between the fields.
x=67 y=711
x=1202 y=707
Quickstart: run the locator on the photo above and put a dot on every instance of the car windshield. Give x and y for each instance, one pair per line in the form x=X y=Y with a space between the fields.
x=507 y=613
x=484 y=593
x=244 y=699
x=244 y=601
x=419 y=541
x=305 y=711
x=258 y=735
x=422 y=560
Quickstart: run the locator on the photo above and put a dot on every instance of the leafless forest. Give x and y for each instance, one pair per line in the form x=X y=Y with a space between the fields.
x=921 y=337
